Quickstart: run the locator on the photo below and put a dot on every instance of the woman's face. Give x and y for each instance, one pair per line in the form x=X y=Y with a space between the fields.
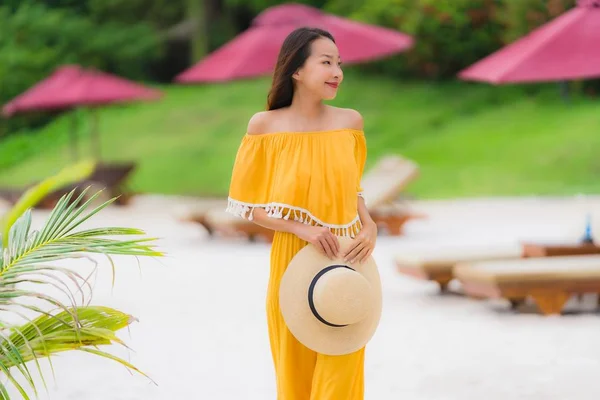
x=321 y=73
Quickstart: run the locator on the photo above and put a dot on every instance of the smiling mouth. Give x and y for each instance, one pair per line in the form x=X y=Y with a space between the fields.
x=333 y=85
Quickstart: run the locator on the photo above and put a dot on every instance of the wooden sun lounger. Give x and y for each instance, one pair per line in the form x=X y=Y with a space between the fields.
x=211 y=216
x=111 y=177
x=540 y=249
x=549 y=281
x=5 y=205
x=391 y=219
x=381 y=186
x=221 y=223
x=437 y=265
x=13 y=195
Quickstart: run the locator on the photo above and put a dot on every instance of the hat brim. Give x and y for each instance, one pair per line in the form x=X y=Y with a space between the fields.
x=295 y=309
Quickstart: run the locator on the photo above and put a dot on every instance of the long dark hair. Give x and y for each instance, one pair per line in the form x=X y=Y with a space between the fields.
x=294 y=52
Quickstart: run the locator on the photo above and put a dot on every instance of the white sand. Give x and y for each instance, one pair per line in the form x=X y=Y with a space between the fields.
x=202 y=330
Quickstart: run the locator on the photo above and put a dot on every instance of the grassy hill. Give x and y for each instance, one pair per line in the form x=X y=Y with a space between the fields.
x=470 y=140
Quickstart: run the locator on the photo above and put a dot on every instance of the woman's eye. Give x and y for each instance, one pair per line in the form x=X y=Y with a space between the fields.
x=326 y=62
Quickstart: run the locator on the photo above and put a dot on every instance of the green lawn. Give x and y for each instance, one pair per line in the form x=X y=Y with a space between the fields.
x=469 y=139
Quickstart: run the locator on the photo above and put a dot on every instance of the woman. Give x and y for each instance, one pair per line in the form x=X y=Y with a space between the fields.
x=298 y=172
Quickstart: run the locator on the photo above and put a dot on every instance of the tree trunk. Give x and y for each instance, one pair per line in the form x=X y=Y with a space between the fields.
x=197 y=12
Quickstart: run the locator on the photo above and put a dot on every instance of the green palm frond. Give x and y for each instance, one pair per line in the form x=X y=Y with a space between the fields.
x=28 y=265
x=68 y=175
x=57 y=240
x=51 y=334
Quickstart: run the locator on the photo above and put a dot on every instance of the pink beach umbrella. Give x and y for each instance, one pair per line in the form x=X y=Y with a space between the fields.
x=565 y=48
x=72 y=86
x=254 y=52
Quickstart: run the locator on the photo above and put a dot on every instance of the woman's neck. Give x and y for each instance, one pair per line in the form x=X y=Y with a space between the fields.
x=307 y=107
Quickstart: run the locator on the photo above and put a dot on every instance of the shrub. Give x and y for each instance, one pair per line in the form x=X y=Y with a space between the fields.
x=34 y=40
x=449 y=35
x=519 y=17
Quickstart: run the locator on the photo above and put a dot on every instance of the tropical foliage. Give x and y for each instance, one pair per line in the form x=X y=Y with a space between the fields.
x=30 y=263
x=69 y=175
x=35 y=40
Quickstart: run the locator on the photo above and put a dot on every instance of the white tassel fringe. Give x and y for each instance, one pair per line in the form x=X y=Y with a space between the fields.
x=276 y=210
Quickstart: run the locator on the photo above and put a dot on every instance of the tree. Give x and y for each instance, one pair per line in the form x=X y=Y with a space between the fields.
x=198 y=15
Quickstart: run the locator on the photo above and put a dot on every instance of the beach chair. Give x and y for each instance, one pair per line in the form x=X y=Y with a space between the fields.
x=221 y=223
x=381 y=186
x=113 y=177
x=549 y=281
x=208 y=214
x=4 y=206
x=437 y=264
x=110 y=177
x=10 y=195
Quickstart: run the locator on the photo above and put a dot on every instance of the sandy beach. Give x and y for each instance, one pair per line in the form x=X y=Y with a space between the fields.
x=202 y=332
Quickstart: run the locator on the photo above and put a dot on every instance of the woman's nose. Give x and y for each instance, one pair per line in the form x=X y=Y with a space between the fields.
x=337 y=71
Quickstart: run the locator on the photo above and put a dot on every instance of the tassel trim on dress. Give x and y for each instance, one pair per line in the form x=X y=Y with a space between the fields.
x=284 y=211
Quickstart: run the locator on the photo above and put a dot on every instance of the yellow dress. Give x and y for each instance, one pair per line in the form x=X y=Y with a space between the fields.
x=314 y=178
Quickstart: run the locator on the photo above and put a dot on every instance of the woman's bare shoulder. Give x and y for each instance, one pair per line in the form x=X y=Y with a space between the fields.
x=348 y=118
x=262 y=122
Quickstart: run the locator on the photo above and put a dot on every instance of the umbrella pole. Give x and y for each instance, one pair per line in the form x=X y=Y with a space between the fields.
x=73 y=135
x=95 y=139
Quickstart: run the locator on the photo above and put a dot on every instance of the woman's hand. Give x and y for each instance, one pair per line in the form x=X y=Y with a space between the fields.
x=321 y=238
x=363 y=245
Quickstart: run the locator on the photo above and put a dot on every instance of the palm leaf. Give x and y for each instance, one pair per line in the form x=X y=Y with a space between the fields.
x=29 y=258
x=57 y=241
x=48 y=335
x=68 y=175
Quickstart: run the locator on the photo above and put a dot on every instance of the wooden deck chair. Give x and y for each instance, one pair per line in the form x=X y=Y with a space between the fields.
x=4 y=206
x=221 y=223
x=12 y=195
x=437 y=264
x=111 y=177
x=381 y=185
x=549 y=281
x=202 y=213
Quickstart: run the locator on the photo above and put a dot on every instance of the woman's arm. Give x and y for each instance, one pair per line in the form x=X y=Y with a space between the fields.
x=363 y=212
x=364 y=243
x=319 y=236
x=261 y=218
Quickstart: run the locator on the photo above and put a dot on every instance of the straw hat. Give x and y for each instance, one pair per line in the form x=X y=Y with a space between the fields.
x=330 y=306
